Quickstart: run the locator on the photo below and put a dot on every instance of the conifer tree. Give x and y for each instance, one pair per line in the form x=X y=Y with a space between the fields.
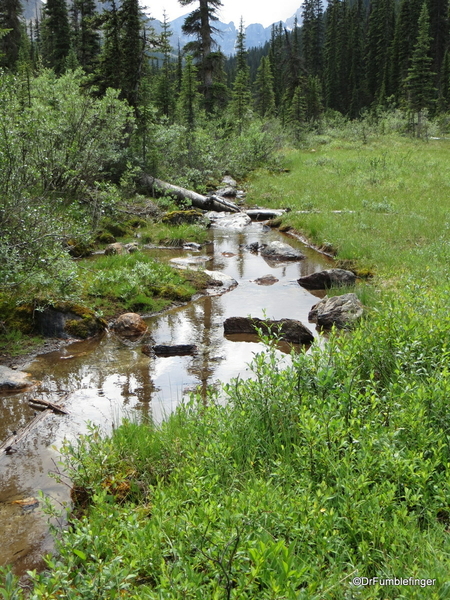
x=334 y=56
x=276 y=58
x=210 y=63
x=380 y=36
x=313 y=36
x=357 y=68
x=55 y=35
x=165 y=88
x=438 y=11
x=264 y=94
x=405 y=37
x=421 y=90
x=241 y=97
x=313 y=95
x=88 y=38
x=132 y=50
x=10 y=16
x=296 y=115
x=188 y=101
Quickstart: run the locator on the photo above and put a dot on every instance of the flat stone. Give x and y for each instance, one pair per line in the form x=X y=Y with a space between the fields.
x=227 y=192
x=289 y=330
x=280 y=251
x=341 y=311
x=328 y=278
x=13 y=381
x=229 y=181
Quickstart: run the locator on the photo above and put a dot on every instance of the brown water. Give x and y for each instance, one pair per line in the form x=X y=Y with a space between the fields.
x=103 y=379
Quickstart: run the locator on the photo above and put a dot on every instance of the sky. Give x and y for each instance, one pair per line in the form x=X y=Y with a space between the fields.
x=265 y=12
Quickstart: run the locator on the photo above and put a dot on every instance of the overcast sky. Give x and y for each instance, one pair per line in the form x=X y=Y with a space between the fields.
x=265 y=12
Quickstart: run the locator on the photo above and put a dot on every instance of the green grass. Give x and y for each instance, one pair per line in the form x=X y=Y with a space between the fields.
x=393 y=193
x=307 y=476
x=174 y=235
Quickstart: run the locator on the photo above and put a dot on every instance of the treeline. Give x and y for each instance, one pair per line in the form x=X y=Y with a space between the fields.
x=355 y=55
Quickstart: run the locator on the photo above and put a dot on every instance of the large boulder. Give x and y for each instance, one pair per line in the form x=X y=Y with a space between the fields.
x=281 y=252
x=289 y=330
x=328 y=278
x=13 y=381
x=340 y=311
x=68 y=320
x=130 y=325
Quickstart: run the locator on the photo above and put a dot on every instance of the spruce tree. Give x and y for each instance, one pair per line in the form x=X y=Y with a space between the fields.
x=55 y=35
x=264 y=94
x=241 y=97
x=296 y=115
x=380 y=37
x=438 y=11
x=132 y=50
x=165 y=87
x=313 y=36
x=210 y=63
x=420 y=86
x=357 y=68
x=188 y=101
x=405 y=37
x=88 y=38
x=10 y=21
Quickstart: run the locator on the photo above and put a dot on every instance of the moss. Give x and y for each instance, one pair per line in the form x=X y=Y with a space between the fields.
x=87 y=325
x=285 y=228
x=105 y=237
x=177 y=217
x=197 y=279
x=20 y=318
x=173 y=292
x=80 y=248
x=352 y=265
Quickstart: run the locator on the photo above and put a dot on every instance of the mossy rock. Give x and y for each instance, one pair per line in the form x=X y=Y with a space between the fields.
x=177 y=217
x=352 y=265
x=68 y=319
x=197 y=279
x=172 y=292
x=274 y=223
x=105 y=237
x=21 y=318
x=137 y=222
x=79 y=248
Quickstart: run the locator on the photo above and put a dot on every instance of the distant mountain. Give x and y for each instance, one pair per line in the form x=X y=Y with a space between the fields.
x=255 y=34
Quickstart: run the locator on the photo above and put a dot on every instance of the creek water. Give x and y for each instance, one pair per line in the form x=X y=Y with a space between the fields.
x=104 y=379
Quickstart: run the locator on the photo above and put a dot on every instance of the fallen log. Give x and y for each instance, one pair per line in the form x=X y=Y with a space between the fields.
x=174 y=350
x=212 y=202
x=54 y=407
x=264 y=214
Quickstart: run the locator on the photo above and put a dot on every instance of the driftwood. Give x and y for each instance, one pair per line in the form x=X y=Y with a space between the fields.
x=7 y=446
x=54 y=407
x=212 y=202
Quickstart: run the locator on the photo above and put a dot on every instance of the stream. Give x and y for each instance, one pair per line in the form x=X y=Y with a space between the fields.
x=102 y=380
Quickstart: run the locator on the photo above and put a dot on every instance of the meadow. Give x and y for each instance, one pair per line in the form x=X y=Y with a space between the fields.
x=310 y=476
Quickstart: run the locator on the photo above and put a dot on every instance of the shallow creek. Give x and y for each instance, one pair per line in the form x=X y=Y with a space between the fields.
x=101 y=380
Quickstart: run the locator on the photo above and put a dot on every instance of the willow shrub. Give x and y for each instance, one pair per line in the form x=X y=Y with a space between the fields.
x=332 y=467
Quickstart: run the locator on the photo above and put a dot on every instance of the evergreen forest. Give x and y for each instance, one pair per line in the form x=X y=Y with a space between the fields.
x=328 y=478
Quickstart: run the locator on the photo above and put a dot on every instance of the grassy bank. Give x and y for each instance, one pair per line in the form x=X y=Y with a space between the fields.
x=392 y=194
x=334 y=468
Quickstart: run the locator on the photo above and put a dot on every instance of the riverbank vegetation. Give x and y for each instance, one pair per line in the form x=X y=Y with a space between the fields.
x=306 y=476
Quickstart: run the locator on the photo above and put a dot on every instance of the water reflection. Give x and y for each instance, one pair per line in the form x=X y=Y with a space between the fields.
x=104 y=379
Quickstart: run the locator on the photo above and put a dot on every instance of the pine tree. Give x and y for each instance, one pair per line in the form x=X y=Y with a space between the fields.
x=333 y=56
x=357 y=72
x=313 y=95
x=132 y=50
x=165 y=88
x=276 y=58
x=313 y=36
x=421 y=90
x=438 y=11
x=210 y=63
x=405 y=37
x=188 y=101
x=380 y=37
x=241 y=97
x=296 y=115
x=264 y=94
x=55 y=35
x=88 y=38
x=10 y=16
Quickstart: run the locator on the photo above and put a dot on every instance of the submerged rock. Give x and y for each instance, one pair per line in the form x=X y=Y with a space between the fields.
x=13 y=381
x=328 y=278
x=266 y=280
x=341 y=311
x=130 y=325
x=289 y=330
x=281 y=251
